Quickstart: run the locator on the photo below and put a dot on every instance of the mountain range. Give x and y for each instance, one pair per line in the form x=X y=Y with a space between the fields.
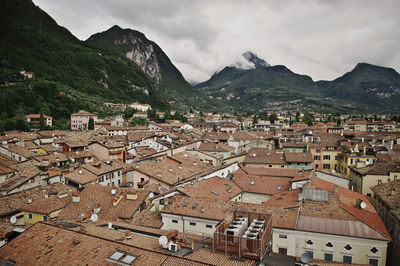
x=122 y=65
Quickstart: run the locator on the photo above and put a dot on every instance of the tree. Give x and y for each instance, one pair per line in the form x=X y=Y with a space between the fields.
x=272 y=118
x=338 y=122
x=9 y=125
x=21 y=125
x=255 y=120
x=297 y=117
x=91 y=124
x=214 y=128
x=139 y=121
x=42 y=125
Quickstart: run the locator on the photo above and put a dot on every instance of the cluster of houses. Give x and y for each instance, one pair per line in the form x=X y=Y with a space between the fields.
x=194 y=194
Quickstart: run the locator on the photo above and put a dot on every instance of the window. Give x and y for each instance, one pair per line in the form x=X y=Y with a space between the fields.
x=347 y=259
x=348 y=247
x=374 y=250
x=316 y=166
x=309 y=242
x=30 y=216
x=174 y=221
x=327 y=157
x=44 y=217
x=373 y=262
x=192 y=224
x=270 y=165
x=122 y=257
x=329 y=245
x=328 y=256
x=317 y=157
x=209 y=226
x=310 y=253
x=326 y=166
x=283 y=236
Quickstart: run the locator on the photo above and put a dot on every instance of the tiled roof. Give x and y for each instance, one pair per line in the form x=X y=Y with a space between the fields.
x=149 y=219
x=36 y=116
x=379 y=168
x=11 y=203
x=97 y=194
x=262 y=184
x=81 y=176
x=45 y=244
x=6 y=170
x=280 y=172
x=83 y=113
x=213 y=147
x=390 y=194
x=286 y=199
x=216 y=136
x=6 y=161
x=212 y=188
x=47 y=205
x=20 y=151
x=264 y=156
x=53 y=158
x=17 y=180
x=139 y=135
x=298 y=157
x=100 y=168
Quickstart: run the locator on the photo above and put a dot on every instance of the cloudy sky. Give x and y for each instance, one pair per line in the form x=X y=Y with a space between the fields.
x=320 y=38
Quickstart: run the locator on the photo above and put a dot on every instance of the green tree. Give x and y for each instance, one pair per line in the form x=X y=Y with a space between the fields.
x=9 y=125
x=255 y=120
x=338 y=122
x=91 y=124
x=297 y=117
x=272 y=118
x=21 y=125
x=214 y=128
x=42 y=125
x=139 y=121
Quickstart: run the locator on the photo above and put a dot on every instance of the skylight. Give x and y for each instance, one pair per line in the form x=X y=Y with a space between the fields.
x=122 y=257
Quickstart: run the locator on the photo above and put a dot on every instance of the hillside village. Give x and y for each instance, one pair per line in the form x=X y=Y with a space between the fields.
x=215 y=190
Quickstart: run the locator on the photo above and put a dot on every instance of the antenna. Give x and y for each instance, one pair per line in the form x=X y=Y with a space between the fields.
x=305 y=258
x=13 y=219
x=163 y=240
x=94 y=217
x=363 y=205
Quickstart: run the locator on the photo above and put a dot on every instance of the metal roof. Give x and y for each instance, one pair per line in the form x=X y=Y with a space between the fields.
x=315 y=194
x=338 y=227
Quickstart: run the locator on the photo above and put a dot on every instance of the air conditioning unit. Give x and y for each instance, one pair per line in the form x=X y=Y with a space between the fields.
x=233 y=231
x=173 y=247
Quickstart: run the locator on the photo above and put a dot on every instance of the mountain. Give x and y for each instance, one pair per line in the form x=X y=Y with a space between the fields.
x=367 y=87
x=68 y=75
x=253 y=84
x=260 y=87
x=153 y=61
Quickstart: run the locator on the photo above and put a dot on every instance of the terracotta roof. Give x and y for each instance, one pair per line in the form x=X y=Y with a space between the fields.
x=53 y=158
x=6 y=170
x=390 y=194
x=17 y=180
x=125 y=205
x=298 y=157
x=278 y=172
x=47 y=205
x=83 y=113
x=21 y=151
x=149 y=218
x=379 y=168
x=262 y=184
x=11 y=203
x=286 y=199
x=81 y=176
x=46 y=244
x=139 y=135
x=212 y=188
x=37 y=116
x=216 y=136
x=7 y=161
x=214 y=147
x=100 y=168
x=294 y=145
x=264 y=156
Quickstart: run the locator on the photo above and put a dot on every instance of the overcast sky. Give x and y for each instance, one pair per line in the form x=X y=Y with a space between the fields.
x=320 y=38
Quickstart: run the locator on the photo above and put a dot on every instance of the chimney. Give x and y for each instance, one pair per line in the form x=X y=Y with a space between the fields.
x=75 y=197
x=335 y=189
x=358 y=203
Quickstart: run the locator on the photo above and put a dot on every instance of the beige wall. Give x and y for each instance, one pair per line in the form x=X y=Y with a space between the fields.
x=183 y=224
x=254 y=197
x=360 y=252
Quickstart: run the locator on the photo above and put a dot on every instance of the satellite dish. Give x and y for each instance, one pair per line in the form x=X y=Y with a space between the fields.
x=163 y=240
x=151 y=194
x=305 y=258
x=363 y=205
x=94 y=217
x=13 y=219
x=113 y=191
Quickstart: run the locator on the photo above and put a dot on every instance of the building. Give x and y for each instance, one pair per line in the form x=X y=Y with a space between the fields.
x=377 y=126
x=386 y=199
x=34 y=119
x=80 y=120
x=139 y=106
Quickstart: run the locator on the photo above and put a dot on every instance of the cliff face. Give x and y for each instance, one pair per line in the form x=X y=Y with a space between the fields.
x=142 y=54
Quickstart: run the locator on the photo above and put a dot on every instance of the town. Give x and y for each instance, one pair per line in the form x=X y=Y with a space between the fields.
x=198 y=188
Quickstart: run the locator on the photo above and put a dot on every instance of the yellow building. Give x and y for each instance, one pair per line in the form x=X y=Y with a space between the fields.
x=346 y=160
x=44 y=209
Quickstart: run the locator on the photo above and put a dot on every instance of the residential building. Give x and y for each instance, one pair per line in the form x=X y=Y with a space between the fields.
x=34 y=119
x=80 y=120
